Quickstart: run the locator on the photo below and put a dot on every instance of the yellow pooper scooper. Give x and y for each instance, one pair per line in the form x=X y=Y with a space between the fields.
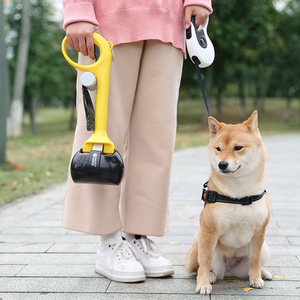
x=97 y=161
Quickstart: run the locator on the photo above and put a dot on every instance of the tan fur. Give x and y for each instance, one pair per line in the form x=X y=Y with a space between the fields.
x=231 y=239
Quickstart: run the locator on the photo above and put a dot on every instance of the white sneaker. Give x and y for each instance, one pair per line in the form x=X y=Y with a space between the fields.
x=115 y=260
x=148 y=254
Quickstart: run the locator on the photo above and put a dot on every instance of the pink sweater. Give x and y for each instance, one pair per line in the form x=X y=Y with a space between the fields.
x=125 y=21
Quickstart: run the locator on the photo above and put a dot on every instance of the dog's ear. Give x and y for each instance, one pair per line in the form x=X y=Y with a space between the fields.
x=214 y=126
x=252 y=122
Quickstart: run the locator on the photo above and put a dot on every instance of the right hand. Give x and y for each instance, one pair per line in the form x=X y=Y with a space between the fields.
x=80 y=37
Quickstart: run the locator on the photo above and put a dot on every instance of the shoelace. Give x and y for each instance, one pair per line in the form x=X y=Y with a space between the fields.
x=123 y=247
x=148 y=246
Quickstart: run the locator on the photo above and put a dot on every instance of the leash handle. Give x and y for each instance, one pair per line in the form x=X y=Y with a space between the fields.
x=101 y=69
x=200 y=50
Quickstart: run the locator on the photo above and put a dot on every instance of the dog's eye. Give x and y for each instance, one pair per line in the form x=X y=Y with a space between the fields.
x=218 y=149
x=238 y=148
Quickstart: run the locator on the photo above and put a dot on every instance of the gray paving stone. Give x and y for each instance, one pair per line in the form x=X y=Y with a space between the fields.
x=24 y=248
x=153 y=285
x=277 y=240
x=284 y=250
x=278 y=288
x=287 y=273
x=289 y=232
x=283 y=261
x=28 y=238
x=10 y=270
x=295 y=241
x=66 y=285
x=34 y=230
x=67 y=270
x=73 y=248
x=39 y=223
x=47 y=258
x=244 y=297
x=95 y=296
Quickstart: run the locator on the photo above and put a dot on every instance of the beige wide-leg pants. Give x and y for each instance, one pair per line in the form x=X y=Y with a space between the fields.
x=144 y=86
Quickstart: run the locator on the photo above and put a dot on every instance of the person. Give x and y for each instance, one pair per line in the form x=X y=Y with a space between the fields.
x=149 y=43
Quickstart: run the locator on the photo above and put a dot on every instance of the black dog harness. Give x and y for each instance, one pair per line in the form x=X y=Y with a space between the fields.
x=213 y=197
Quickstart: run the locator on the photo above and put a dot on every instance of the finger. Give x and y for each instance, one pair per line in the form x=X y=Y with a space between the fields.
x=90 y=46
x=187 y=18
x=70 y=42
x=199 y=20
x=82 y=46
x=76 y=45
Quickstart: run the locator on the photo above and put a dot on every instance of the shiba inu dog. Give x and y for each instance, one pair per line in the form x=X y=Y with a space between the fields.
x=231 y=239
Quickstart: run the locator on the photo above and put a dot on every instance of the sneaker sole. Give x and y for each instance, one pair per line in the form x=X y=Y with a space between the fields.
x=159 y=274
x=120 y=276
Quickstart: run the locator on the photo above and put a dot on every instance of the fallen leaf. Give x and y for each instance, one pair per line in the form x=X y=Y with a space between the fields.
x=187 y=206
x=179 y=214
x=278 y=277
x=19 y=200
x=270 y=287
x=247 y=289
x=174 y=243
x=233 y=281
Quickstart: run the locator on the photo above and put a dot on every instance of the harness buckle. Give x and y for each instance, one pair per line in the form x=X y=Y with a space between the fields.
x=247 y=200
x=211 y=196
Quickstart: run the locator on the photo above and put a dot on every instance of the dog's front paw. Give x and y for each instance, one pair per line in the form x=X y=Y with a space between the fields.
x=265 y=274
x=204 y=289
x=257 y=283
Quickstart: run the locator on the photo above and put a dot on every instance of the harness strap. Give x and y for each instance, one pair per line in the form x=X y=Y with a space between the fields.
x=213 y=197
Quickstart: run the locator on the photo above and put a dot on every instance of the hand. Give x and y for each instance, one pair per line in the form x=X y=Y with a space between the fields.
x=80 y=37
x=200 y=13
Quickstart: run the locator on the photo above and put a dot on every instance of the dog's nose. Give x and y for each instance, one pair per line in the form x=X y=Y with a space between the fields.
x=223 y=165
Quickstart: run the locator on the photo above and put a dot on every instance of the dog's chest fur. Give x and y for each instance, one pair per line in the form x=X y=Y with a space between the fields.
x=237 y=224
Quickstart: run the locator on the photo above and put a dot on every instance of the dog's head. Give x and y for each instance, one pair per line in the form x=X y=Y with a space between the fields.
x=235 y=150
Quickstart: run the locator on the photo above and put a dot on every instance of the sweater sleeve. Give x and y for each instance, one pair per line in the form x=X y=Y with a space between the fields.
x=79 y=11
x=204 y=3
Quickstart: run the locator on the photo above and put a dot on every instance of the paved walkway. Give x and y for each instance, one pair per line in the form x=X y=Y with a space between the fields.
x=41 y=260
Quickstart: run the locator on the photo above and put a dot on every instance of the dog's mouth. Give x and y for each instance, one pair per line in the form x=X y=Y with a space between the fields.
x=226 y=171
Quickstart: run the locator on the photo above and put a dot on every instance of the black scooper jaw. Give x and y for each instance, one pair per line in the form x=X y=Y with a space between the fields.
x=97 y=167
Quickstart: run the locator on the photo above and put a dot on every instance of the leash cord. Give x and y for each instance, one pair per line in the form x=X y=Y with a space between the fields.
x=197 y=62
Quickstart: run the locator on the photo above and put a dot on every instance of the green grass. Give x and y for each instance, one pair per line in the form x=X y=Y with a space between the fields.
x=46 y=155
x=192 y=119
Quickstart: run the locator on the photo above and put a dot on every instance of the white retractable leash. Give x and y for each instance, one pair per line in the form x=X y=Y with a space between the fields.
x=200 y=49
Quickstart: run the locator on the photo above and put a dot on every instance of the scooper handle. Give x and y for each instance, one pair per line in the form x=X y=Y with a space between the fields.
x=101 y=69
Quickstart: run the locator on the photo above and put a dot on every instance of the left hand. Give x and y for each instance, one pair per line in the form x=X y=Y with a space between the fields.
x=200 y=13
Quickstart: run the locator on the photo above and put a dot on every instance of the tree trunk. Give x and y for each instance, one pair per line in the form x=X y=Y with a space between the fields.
x=16 y=108
x=33 y=108
x=243 y=99
x=3 y=88
x=219 y=102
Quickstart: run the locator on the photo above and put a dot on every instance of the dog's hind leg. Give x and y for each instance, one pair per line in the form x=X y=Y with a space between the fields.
x=191 y=263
